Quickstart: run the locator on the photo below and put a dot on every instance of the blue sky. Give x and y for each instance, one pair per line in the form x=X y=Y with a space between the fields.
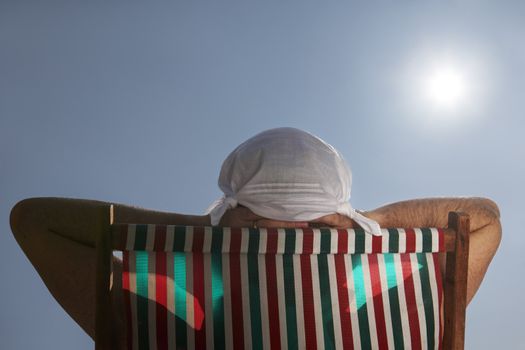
x=139 y=103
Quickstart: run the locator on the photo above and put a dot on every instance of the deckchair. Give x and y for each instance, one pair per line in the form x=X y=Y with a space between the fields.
x=256 y=288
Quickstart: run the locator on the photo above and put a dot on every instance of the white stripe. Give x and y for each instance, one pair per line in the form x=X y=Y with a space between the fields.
x=130 y=239
x=281 y=239
x=245 y=240
x=170 y=237
x=352 y=301
x=190 y=331
x=435 y=297
x=170 y=293
x=336 y=312
x=386 y=300
x=402 y=240
x=208 y=306
x=279 y=267
x=152 y=305
x=368 y=243
x=419 y=299
x=243 y=260
x=318 y=310
x=226 y=241
x=150 y=238
x=263 y=238
x=133 y=296
x=402 y=301
x=385 y=241
x=334 y=237
x=435 y=239
x=419 y=239
x=206 y=244
x=298 y=241
x=316 y=246
x=299 y=299
x=351 y=242
x=370 y=308
x=263 y=301
x=228 y=327
x=188 y=243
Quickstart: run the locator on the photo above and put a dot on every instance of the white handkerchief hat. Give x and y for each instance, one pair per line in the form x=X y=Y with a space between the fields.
x=290 y=175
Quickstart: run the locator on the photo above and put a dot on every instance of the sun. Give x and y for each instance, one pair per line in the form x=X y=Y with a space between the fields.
x=446 y=87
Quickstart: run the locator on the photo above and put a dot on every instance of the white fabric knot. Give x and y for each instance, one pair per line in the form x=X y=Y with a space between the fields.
x=367 y=224
x=219 y=207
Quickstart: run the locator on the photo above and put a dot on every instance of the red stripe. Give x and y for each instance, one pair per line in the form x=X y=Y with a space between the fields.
x=441 y=237
x=271 y=242
x=271 y=283
x=236 y=290
x=125 y=290
x=342 y=241
x=308 y=241
x=161 y=299
x=439 y=282
x=377 y=244
x=198 y=288
x=235 y=240
x=198 y=239
x=413 y=319
x=160 y=238
x=410 y=240
x=308 y=302
x=344 y=306
x=379 y=310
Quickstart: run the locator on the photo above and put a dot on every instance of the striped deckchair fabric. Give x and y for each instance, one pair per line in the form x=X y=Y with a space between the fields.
x=247 y=288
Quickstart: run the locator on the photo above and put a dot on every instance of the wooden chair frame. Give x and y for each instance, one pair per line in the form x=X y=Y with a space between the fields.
x=454 y=284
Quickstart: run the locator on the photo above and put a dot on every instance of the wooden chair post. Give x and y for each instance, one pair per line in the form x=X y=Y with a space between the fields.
x=104 y=335
x=456 y=283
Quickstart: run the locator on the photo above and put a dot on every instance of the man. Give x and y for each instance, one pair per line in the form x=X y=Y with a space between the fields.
x=279 y=178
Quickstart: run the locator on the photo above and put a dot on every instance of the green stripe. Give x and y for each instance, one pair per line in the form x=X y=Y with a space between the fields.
x=289 y=297
x=393 y=298
x=427 y=298
x=253 y=281
x=217 y=294
x=289 y=242
x=289 y=291
x=427 y=239
x=140 y=237
x=326 y=301
x=217 y=288
x=360 y=296
x=359 y=241
x=253 y=241
x=393 y=240
x=216 y=240
x=326 y=235
x=179 y=239
x=142 y=298
x=179 y=284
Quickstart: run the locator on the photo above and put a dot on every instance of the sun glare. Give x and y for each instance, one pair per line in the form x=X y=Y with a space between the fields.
x=446 y=87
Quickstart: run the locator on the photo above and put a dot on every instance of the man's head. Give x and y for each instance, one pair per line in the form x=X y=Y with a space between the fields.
x=289 y=175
